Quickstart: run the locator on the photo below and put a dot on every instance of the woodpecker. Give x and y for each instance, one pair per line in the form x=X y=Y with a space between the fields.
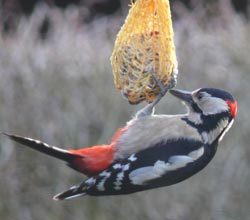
x=151 y=151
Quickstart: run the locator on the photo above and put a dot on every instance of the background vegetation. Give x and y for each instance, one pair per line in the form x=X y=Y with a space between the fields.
x=60 y=90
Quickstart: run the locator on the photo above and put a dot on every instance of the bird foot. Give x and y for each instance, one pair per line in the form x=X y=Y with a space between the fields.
x=150 y=108
x=164 y=89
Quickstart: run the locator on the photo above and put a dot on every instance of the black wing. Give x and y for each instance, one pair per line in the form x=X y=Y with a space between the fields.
x=164 y=164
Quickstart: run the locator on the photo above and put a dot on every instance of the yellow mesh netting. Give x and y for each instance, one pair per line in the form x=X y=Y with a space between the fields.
x=144 y=46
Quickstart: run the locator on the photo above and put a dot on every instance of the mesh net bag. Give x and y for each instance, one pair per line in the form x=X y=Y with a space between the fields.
x=144 y=46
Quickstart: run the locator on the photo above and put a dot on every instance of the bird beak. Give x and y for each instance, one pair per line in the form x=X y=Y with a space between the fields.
x=182 y=95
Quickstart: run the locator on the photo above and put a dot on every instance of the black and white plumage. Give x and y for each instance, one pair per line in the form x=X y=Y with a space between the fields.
x=161 y=150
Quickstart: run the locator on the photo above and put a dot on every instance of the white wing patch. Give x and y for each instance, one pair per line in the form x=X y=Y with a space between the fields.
x=120 y=176
x=118 y=181
x=196 y=154
x=100 y=185
x=142 y=175
x=117 y=166
x=91 y=181
x=132 y=158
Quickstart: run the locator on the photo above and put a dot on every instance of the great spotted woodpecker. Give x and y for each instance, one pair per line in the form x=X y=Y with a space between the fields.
x=151 y=150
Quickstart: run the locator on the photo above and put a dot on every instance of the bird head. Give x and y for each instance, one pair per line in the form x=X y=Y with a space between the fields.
x=211 y=111
x=208 y=102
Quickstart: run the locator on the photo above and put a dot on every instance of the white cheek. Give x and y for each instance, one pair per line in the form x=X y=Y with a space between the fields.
x=195 y=118
x=211 y=105
x=209 y=137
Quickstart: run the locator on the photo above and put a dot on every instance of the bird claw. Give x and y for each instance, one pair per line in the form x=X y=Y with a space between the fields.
x=150 y=108
x=147 y=110
x=164 y=89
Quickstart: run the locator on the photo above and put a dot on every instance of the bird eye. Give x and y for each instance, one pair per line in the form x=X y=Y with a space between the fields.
x=199 y=96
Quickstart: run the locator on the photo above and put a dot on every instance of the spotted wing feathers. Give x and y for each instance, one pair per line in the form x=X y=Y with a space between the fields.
x=162 y=165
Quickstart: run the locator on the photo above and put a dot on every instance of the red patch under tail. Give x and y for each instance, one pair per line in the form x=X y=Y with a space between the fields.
x=93 y=160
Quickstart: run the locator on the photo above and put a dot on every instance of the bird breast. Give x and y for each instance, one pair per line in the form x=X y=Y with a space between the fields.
x=146 y=132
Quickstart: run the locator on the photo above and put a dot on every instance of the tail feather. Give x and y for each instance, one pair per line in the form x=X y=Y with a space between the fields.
x=89 y=160
x=73 y=192
x=43 y=147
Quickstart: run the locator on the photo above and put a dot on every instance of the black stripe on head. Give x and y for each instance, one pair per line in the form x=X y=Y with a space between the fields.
x=196 y=108
x=219 y=93
x=210 y=122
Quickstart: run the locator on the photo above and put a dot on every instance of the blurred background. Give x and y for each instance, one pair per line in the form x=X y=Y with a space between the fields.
x=57 y=85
